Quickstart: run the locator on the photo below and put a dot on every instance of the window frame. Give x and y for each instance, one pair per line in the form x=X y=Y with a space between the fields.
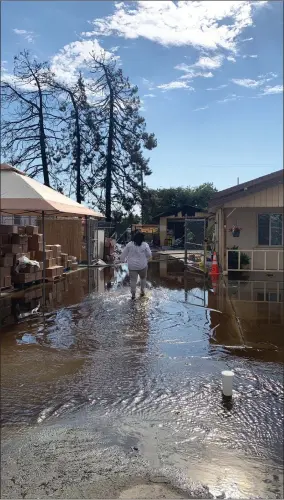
x=282 y=235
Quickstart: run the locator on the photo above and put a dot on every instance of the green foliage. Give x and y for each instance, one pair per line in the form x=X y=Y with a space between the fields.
x=166 y=199
x=233 y=258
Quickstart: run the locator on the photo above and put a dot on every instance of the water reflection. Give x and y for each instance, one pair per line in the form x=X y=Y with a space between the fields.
x=149 y=362
x=252 y=318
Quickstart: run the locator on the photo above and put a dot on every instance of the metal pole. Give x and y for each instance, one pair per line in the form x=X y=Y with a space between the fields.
x=205 y=246
x=87 y=240
x=44 y=261
x=142 y=194
x=185 y=241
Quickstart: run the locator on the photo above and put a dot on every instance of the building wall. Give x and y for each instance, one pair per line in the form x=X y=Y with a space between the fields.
x=247 y=219
x=270 y=197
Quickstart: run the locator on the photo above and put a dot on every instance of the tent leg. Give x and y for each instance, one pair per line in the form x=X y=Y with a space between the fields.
x=87 y=225
x=44 y=262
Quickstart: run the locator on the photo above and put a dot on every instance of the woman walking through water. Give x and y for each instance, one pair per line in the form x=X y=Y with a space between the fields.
x=137 y=253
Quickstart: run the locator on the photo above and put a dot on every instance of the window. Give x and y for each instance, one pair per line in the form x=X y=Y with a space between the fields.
x=270 y=229
x=17 y=220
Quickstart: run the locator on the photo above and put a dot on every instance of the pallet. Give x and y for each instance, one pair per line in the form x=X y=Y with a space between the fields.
x=6 y=289
x=22 y=286
x=55 y=279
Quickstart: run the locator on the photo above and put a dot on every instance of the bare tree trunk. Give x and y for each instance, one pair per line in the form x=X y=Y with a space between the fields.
x=109 y=158
x=42 y=140
x=78 y=150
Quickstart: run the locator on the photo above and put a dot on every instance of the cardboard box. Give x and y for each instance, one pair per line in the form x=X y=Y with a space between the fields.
x=51 y=272
x=28 y=269
x=35 y=242
x=41 y=266
x=12 y=249
x=74 y=266
x=19 y=239
x=24 y=247
x=69 y=262
x=7 y=260
x=48 y=263
x=64 y=260
x=5 y=229
x=5 y=271
x=5 y=239
x=38 y=275
x=21 y=229
x=5 y=282
x=60 y=270
x=30 y=230
x=53 y=249
x=57 y=250
x=39 y=255
x=23 y=278
x=58 y=261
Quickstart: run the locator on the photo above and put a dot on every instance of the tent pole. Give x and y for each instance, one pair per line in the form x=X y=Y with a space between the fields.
x=44 y=261
x=87 y=239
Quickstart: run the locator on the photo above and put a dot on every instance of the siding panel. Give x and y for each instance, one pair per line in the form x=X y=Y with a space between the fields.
x=271 y=197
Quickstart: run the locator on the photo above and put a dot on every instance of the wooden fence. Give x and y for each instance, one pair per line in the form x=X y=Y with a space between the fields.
x=66 y=232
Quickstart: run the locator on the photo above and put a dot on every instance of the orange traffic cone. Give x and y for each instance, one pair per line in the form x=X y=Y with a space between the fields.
x=214 y=268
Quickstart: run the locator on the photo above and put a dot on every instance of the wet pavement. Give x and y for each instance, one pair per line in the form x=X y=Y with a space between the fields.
x=103 y=393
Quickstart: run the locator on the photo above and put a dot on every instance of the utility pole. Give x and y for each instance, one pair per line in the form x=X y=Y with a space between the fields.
x=238 y=181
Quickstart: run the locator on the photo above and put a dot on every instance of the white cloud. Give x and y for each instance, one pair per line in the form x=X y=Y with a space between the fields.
x=231 y=59
x=219 y=87
x=200 y=109
x=191 y=72
x=247 y=39
x=174 y=85
x=253 y=56
x=148 y=83
x=27 y=35
x=247 y=82
x=254 y=83
x=268 y=76
x=206 y=62
x=231 y=97
x=200 y=24
x=277 y=89
x=74 y=56
x=149 y=95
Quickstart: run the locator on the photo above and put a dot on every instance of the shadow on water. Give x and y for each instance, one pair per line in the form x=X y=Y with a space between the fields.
x=152 y=367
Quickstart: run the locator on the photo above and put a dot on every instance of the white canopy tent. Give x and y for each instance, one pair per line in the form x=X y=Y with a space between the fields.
x=21 y=195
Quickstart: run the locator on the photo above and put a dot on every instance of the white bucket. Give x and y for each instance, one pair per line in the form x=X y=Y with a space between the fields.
x=227 y=383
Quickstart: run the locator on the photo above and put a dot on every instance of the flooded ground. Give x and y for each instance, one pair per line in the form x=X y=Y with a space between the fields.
x=106 y=397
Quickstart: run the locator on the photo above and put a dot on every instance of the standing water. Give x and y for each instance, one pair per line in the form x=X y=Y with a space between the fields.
x=103 y=393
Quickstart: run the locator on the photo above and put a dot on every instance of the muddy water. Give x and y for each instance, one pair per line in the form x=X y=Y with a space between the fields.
x=102 y=390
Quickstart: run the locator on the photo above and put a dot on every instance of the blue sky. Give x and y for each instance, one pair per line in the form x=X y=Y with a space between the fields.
x=210 y=75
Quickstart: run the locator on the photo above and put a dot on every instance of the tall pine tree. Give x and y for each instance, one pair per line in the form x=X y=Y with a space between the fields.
x=122 y=164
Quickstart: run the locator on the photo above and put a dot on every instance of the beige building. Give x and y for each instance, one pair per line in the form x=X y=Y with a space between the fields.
x=249 y=225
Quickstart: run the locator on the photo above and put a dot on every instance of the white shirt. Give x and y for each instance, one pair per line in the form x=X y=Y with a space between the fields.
x=136 y=256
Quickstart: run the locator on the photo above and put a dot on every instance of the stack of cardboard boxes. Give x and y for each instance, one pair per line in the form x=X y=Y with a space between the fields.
x=20 y=241
x=53 y=261
x=15 y=242
x=13 y=245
